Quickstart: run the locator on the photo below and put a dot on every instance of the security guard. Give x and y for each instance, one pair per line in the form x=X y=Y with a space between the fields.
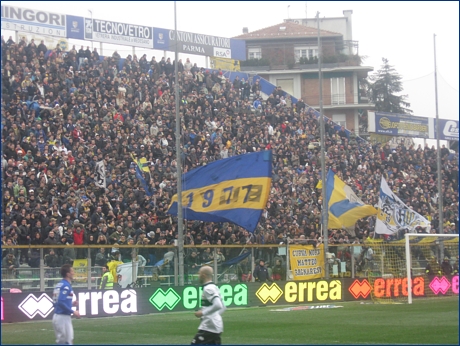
x=261 y=272
x=107 y=279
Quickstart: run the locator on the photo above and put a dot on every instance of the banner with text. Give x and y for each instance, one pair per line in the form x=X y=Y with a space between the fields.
x=307 y=261
x=399 y=125
x=200 y=44
x=33 y=21
x=118 y=33
x=449 y=129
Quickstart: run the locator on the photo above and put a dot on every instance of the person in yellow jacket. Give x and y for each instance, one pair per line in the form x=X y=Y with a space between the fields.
x=107 y=279
x=113 y=264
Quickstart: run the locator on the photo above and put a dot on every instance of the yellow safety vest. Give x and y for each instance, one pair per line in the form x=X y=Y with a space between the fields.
x=109 y=284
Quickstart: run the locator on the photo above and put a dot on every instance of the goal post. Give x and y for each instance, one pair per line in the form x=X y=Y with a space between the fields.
x=408 y=237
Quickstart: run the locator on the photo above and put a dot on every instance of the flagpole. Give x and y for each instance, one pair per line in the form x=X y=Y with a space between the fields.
x=438 y=130
x=324 y=208
x=180 y=220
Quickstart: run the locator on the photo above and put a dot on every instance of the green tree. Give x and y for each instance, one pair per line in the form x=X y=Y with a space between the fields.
x=384 y=88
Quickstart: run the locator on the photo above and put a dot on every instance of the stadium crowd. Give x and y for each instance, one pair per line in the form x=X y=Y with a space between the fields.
x=64 y=111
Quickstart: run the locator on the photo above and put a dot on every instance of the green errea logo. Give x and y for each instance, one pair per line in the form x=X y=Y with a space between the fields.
x=160 y=299
x=236 y=295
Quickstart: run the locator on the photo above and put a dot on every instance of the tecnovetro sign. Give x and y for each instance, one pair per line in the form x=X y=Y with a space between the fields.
x=118 y=33
x=33 y=21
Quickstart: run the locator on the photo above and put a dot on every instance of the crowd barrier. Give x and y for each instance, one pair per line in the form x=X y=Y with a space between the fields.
x=344 y=263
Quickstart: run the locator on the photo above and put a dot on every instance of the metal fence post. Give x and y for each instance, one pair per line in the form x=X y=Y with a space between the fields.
x=42 y=271
x=216 y=276
x=88 y=271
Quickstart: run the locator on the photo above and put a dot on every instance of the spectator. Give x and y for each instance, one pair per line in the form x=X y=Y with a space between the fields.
x=50 y=151
x=261 y=273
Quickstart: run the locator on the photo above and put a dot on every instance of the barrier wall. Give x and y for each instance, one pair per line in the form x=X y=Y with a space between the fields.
x=22 y=307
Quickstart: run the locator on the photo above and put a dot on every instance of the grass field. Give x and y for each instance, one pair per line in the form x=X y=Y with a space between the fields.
x=428 y=321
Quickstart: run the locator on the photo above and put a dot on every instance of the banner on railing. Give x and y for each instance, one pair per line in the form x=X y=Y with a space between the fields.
x=307 y=261
x=81 y=270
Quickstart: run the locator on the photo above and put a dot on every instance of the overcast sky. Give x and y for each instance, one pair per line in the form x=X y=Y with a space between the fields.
x=402 y=32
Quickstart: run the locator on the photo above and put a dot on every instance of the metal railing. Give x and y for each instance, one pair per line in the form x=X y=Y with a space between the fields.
x=342 y=263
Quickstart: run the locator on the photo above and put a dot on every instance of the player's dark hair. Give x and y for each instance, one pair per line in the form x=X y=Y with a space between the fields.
x=65 y=269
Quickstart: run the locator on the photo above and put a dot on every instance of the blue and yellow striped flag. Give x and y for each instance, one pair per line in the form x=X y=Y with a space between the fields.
x=142 y=163
x=345 y=208
x=230 y=190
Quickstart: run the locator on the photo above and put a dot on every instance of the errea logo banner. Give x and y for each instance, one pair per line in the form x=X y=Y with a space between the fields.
x=300 y=292
x=31 y=306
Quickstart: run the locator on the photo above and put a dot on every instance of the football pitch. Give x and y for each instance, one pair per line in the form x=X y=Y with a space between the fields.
x=426 y=321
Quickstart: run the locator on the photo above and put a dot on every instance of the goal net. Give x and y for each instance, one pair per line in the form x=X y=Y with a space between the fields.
x=421 y=265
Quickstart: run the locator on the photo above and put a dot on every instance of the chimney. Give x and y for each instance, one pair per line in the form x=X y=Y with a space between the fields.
x=245 y=30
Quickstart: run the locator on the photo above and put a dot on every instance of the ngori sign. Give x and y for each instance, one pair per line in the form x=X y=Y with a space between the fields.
x=118 y=33
x=33 y=21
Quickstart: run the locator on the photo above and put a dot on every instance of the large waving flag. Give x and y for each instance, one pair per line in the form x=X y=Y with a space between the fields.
x=230 y=190
x=393 y=215
x=140 y=177
x=345 y=208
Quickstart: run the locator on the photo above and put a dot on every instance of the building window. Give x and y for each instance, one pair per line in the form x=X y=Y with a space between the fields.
x=340 y=119
x=255 y=53
x=338 y=91
x=305 y=52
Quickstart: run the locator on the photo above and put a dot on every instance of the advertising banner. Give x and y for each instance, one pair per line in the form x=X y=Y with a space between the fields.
x=307 y=261
x=33 y=21
x=200 y=44
x=22 y=307
x=399 y=125
x=225 y=64
x=75 y=27
x=118 y=33
x=81 y=270
x=422 y=286
x=449 y=129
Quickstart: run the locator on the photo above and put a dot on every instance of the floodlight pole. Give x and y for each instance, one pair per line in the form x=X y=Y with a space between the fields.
x=324 y=208
x=438 y=134
x=180 y=219
x=90 y=11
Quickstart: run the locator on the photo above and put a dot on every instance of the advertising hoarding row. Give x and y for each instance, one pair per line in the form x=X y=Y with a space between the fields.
x=403 y=125
x=82 y=28
x=21 y=307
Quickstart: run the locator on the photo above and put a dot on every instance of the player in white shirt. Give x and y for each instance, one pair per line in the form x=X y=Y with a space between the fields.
x=211 y=325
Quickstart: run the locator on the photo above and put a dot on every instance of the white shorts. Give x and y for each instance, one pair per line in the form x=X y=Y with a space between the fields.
x=63 y=329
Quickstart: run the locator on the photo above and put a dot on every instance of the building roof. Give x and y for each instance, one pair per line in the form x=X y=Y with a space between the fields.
x=286 y=30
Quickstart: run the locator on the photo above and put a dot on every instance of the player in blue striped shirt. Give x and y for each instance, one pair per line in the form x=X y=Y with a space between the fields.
x=62 y=298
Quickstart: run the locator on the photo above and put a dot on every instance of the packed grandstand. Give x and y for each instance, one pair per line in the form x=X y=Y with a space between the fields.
x=62 y=112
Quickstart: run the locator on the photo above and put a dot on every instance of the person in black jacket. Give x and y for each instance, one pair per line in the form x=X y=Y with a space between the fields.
x=261 y=272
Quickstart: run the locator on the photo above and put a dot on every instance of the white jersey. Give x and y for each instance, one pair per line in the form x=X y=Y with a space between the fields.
x=212 y=307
